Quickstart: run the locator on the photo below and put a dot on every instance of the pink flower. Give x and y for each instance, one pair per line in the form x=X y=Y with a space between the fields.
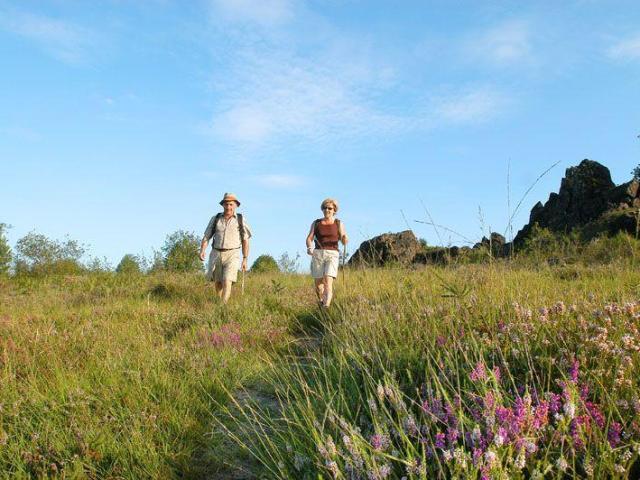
x=478 y=373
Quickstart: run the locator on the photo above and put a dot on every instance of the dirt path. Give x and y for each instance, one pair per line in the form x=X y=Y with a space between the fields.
x=238 y=463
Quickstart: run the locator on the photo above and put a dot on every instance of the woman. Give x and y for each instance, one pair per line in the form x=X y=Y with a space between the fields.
x=326 y=232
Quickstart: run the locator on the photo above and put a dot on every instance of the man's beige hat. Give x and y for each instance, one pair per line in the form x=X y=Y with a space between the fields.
x=229 y=197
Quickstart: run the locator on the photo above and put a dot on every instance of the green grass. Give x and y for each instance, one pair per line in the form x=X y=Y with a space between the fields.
x=108 y=376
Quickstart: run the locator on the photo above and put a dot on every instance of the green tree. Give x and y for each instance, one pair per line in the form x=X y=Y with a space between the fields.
x=98 y=265
x=5 y=250
x=129 y=265
x=155 y=263
x=180 y=252
x=37 y=254
x=265 y=264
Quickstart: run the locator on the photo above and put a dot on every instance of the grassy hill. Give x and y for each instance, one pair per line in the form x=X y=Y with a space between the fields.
x=462 y=371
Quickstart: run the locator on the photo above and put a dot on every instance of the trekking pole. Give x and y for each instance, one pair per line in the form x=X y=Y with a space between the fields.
x=344 y=256
x=242 y=287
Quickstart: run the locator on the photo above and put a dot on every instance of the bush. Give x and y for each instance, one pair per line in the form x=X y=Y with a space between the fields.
x=181 y=252
x=5 y=250
x=129 y=265
x=265 y=264
x=36 y=254
x=545 y=246
x=621 y=246
x=289 y=264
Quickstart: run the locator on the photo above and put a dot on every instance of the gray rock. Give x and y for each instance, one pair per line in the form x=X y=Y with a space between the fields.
x=389 y=248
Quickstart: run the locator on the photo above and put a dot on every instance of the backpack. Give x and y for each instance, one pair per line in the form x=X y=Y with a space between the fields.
x=240 y=224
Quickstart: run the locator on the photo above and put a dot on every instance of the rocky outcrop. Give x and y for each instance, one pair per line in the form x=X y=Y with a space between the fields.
x=496 y=243
x=404 y=249
x=587 y=200
x=389 y=248
x=440 y=255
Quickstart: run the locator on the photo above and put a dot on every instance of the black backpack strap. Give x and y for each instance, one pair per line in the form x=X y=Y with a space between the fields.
x=315 y=233
x=240 y=226
x=215 y=223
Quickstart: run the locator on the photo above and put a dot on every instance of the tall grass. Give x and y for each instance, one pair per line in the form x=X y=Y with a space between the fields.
x=106 y=376
x=465 y=371
x=477 y=372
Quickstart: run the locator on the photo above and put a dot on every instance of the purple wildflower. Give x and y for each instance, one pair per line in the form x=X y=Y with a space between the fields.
x=452 y=435
x=541 y=415
x=500 y=437
x=477 y=456
x=379 y=441
x=451 y=415
x=595 y=413
x=574 y=370
x=440 y=440
x=478 y=373
x=503 y=414
x=575 y=430
x=489 y=401
x=554 y=403
x=613 y=435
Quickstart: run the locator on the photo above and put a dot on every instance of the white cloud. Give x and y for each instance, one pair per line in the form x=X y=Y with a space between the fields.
x=280 y=180
x=244 y=123
x=471 y=107
x=275 y=91
x=506 y=44
x=262 y=12
x=271 y=96
x=628 y=49
x=63 y=40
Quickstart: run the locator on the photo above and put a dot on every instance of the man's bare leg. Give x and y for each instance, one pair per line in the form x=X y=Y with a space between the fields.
x=328 y=290
x=219 y=289
x=226 y=290
x=319 y=288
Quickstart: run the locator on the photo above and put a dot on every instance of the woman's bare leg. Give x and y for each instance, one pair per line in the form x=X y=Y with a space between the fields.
x=319 y=288
x=328 y=290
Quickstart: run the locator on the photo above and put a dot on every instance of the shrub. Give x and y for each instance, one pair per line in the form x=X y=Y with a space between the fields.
x=36 y=254
x=129 y=265
x=181 y=252
x=5 y=250
x=289 y=264
x=265 y=264
x=607 y=249
x=543 y=245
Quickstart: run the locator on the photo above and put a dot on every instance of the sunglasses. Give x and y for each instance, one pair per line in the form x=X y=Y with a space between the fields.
x=328 y=208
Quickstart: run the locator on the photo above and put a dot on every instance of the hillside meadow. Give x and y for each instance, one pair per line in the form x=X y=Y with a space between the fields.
x=470 y=371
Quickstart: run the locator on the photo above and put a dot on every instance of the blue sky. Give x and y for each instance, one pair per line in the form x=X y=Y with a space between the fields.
x=121 y=122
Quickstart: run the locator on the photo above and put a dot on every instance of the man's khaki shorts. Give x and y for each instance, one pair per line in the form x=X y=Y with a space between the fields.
x=324 y=263
x=223 y=266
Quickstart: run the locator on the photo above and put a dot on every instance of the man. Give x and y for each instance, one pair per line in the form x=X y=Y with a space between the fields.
x=230 y=233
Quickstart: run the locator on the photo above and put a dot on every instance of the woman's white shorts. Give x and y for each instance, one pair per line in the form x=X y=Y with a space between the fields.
x=324 y=263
